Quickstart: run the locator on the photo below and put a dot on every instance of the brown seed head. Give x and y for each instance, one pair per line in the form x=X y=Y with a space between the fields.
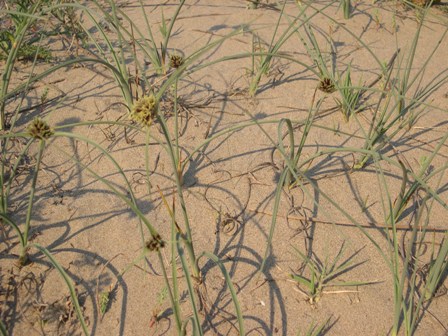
x=176 y=61
x=39 y=129
x=326 y=85
x=155 y=243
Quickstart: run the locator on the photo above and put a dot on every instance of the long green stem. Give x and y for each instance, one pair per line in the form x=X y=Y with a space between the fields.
x=346 y=6
x=278 y=194
x=176 y=125
x=187 y=238
x=176 y=305
x=23 y=253
x=191 y=291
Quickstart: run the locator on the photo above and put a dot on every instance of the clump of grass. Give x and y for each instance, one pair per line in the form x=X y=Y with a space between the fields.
x=277 y=42
x=11 y=43
x=349 y=95
x=27 y=53
x=293 y=168
x=316 y=329
x=69 y=21
x=326 y=73
x=437 y=268
x=396 y=111
x=322 y=274
x=158 y=55
x=266 y=59
x=408 y=296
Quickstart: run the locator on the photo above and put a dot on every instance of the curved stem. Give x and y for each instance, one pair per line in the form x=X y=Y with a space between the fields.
x=288 y=177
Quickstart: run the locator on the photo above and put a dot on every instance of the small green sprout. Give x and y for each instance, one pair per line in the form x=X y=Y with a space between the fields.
x=322 y=275
x=104 y=299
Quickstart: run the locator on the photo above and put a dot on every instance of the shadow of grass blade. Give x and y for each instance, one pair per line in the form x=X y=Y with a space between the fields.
x=132 y=202
x=231 y=288
x=68 y=282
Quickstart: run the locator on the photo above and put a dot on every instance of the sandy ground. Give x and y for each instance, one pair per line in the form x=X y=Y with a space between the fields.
x=95 y=236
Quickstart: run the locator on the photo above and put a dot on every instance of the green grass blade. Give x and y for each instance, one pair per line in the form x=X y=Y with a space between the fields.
x=22 y=257
x=191 y=291
x=302 y=280
x=3 y=330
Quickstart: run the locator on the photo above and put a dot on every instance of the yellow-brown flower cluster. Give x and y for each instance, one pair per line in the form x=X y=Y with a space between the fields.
x=144 y=110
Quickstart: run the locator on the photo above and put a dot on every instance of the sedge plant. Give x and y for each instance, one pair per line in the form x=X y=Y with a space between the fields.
x=146 y=111
x=407 y=308
x=278 y=41
x=409 y=296
x=158 y=55
x=327 y=78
